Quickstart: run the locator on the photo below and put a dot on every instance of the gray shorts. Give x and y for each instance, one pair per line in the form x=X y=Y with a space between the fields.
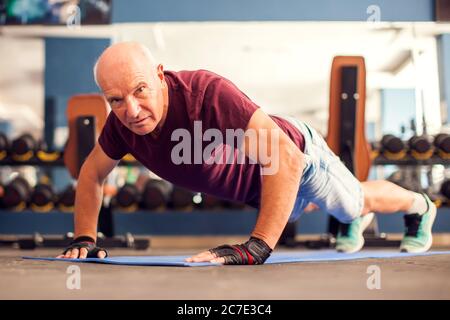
x=326 y=181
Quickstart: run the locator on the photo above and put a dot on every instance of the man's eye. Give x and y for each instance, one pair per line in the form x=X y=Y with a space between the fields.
x=114 y=101
x=141 y=89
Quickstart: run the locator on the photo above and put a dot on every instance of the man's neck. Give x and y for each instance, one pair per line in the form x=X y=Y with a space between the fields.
x=155 y=133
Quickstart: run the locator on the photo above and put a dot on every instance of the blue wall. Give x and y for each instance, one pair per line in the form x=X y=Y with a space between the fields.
x=68 y=64
x=269 y=10
x=68 y=71
x=189 y=223
x=444 y=70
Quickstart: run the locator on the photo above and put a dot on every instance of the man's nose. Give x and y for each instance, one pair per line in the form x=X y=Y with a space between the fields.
x=133 y=108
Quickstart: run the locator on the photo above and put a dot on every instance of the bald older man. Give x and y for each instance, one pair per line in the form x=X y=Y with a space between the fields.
x=149 y=108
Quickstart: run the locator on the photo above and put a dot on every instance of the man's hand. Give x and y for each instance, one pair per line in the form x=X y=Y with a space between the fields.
x=83 y=247
x=254 y=251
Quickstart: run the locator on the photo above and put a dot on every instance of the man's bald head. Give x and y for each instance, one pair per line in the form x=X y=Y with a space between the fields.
x=123 y=57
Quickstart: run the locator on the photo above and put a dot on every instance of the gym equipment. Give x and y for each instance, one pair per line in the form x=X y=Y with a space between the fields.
x=407 y=178
x=346 y=132
x=44 y=154
x=445 y=189
x=275 y=258
x=16 y=194
x=86 y=116
x=346 y=138
x=393 y=147
x=346 y=129
x=66 y=199
x=127 y=198
x=182 y=199
x=375 y=149
x=442 y=145
x=129 y=159
x=23 y=148
x=420 y=147
x=211 y=202
x=156 y=194
x=4 y=146
x=39 y=241
x=43 y=198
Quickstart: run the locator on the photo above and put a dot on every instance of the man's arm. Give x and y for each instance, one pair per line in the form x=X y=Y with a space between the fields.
x=89 y=196
x=280 y=181
x=282 y=172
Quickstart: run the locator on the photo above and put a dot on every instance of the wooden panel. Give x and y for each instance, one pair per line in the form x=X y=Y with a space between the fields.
x=82 y=105
x=362 y=161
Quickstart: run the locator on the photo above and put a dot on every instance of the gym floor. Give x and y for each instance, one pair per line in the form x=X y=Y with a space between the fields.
x=425 y=277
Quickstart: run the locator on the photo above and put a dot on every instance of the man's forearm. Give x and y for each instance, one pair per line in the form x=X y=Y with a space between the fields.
x=278 y=195
x=88 y=200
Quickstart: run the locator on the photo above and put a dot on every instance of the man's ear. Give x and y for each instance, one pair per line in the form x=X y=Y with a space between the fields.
x=160 y=72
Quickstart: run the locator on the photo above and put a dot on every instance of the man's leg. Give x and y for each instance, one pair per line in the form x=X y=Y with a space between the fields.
x=385 y=197
x=382 y=196
x=335 y=190
x=329 y=185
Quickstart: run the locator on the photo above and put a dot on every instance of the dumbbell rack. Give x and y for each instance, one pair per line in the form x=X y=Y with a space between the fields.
x=409 y=161
x=106 y=236
x=438 y=157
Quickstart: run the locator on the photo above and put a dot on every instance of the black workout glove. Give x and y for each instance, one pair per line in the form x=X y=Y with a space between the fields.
x=89 y=244
x=254 y=251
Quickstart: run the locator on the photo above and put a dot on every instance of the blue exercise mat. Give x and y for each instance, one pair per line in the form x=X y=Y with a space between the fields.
x=277 y=257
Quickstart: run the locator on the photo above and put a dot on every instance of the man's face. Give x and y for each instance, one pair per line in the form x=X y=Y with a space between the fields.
x=135 y=96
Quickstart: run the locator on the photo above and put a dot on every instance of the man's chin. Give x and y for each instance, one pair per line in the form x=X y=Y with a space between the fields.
x=142 y=131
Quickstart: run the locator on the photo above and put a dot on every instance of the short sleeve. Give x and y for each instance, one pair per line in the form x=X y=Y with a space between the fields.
x=110 y=139
x=226 y=107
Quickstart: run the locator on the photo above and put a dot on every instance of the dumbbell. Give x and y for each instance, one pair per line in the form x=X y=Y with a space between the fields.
x=66 y=199
x=182 y=198
x=442 y=145
x=17 y=194
x=156 y=194
x=445 y=189
x=211 y=202
x=128 y=158
x=127 y=198
x=44 y=154
x=420 y=147
x=42 y=198
x=4 y=146
x=23 y=148
x=393 y=147
x=375 y=149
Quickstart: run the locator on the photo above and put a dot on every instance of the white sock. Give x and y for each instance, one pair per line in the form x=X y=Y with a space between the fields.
x=419 y=204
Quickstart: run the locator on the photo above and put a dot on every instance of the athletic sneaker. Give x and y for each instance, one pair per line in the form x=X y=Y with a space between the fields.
x=350 y=237
x=418 y=237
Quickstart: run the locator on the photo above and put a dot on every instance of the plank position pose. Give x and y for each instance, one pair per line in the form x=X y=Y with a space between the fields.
x=153 y=109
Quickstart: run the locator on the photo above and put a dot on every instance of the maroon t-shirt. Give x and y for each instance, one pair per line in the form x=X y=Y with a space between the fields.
x=216 y=102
